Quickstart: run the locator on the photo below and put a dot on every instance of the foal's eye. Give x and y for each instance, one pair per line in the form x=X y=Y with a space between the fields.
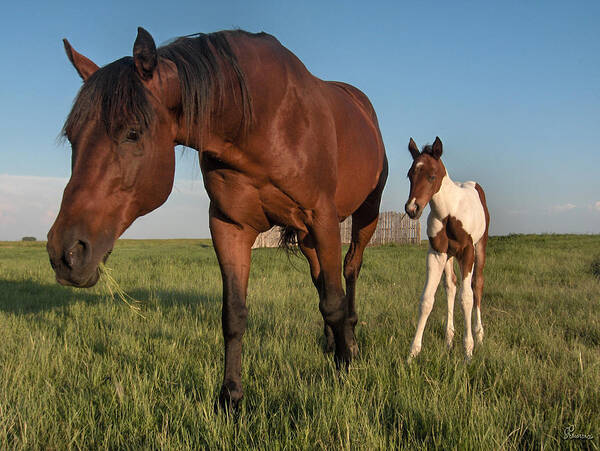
x=132 y=135
x=431 y=178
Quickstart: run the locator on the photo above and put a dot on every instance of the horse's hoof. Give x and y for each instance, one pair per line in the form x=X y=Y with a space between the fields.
x=479 y=336
x=415 y=350
x=412 y=356
x=343 y=359
x=468 y=355
x=353 y=350
x=329 y=346
x=449 y=338
x=229 y=398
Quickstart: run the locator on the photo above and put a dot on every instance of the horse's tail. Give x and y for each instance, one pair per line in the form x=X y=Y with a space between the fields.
x=288 y=240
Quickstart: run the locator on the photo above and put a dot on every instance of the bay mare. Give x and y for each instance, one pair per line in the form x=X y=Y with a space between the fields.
x=277 y=146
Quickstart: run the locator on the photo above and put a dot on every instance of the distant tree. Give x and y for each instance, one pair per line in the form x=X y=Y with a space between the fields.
x=28 y=238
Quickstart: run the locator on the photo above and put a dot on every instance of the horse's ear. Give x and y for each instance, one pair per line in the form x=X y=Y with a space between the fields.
x=84 y=66
x=413 y=149
x=144 y=54
x=437 y=148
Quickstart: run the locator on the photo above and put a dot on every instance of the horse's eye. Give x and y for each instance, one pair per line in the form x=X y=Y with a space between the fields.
x=431 y=178
x=132 y=135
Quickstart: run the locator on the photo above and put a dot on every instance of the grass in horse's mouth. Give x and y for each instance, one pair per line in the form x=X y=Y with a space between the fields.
x=115 y=289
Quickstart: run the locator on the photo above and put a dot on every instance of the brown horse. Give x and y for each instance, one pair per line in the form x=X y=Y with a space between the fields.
x=277 y=146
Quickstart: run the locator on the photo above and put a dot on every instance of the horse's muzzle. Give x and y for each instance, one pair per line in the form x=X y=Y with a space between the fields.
x=413 y=210
x=73 y=263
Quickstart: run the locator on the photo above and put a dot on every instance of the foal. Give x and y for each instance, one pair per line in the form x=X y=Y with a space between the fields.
x=457 y=226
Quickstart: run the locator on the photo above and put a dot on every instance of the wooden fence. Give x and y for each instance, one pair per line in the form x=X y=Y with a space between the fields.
x=393 y=227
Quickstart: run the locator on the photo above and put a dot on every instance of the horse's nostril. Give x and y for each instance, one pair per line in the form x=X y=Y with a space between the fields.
x=76 y=255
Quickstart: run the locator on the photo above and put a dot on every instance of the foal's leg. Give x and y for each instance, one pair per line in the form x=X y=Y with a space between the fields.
x=466 y=295
x=450 y=286
x=233 y=248
x=307 y=247
x=333 y=305
x=478 y=287
x=435 y=266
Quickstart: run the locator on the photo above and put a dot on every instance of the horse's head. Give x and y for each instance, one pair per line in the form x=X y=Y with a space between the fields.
x=122 y=131
x=425 y=175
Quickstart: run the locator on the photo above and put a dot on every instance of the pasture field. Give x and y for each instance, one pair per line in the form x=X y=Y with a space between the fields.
x=82 y=371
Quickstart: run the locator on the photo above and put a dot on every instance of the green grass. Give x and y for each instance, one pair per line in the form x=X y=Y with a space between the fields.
x=80 y=370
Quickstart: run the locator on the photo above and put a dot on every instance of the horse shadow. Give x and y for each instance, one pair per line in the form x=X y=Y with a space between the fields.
x=29 y=296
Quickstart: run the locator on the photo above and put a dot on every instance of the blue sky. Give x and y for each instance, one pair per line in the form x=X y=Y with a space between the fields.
x=512 y=89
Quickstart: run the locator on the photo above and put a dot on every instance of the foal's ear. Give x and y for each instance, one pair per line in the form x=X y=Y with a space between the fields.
x=437 y=148
x=144 y=54
x=84 y=66
x=413 y=149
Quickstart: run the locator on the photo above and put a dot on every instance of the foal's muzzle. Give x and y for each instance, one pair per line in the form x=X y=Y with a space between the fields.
x=413 y=209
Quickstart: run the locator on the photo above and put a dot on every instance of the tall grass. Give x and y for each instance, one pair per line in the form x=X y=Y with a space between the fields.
x=81 y=370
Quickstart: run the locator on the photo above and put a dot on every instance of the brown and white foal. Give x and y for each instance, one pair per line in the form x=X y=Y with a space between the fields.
x=457 y=226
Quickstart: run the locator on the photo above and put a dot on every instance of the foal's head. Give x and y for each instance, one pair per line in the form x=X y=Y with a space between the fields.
x=425 y=175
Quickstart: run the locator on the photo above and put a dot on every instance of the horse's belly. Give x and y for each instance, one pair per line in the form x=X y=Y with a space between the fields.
x=281 y=209
x=359 y=168
x=360 y=151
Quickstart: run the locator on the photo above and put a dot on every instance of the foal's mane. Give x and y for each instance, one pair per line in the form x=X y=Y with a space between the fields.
x=115 y=95
x=428 y=149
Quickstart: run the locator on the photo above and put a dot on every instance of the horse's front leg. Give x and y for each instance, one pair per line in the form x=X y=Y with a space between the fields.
x=233 y=245
x=435 y=266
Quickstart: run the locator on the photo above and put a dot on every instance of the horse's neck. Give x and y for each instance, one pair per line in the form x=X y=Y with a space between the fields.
x=444 y=202
x=222 y=121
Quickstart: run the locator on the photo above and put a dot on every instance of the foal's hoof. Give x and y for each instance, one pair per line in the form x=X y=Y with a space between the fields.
x=415 y=350
x=449 y=338
x=230 y=397
x=468 y=355
x=479 y=336
x=411 y=358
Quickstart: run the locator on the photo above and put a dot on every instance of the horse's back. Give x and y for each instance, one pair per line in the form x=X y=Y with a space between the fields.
x=476 y=217
x=318 y=127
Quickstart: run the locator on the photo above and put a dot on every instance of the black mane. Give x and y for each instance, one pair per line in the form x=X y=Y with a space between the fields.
x=115 y=95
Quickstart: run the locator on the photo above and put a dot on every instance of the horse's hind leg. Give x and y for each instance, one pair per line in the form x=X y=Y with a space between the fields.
x=364 y=223
x=307 y=247
x=333 y=305
x=477 y=285
x=450 y=286
x=466 y=263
